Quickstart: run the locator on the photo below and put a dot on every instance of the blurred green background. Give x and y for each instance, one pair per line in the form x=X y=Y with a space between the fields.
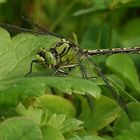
x=96 y=24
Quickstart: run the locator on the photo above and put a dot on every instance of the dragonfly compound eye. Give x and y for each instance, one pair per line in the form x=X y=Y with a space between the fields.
x=50 y=58
x=41 y=53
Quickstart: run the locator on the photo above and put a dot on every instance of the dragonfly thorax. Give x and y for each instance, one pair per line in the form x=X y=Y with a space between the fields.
x=57 y=57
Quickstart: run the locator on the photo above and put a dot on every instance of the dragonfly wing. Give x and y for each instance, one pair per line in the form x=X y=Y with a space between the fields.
x=109 y=85
x=41 y=28
x=17 y=29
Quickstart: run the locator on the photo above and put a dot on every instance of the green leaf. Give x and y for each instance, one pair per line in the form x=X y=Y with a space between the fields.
x=56 y=104
x=64 y=123
x=3 y=1
x=124 y=66
x=122 y=92
x=18 y=52
x=51 y=133
x=35 y=114
x=134 y=109
x=107 y=5
x=7 y=112
x=56 y=121
x=75 y=138
x=97 y=6
x=87 y=138
x=106 y=111
x=123 y=122
x=96 y=37
x=71 y=85
x=19 y=128
x=124 y=3
x=13 y=91
x=130 y=133
x=4 y=35
x=92 y=138
x=71 y=125
x=131 y=39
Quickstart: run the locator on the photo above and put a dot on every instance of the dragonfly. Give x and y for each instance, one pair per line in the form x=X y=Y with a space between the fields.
x=65 y=54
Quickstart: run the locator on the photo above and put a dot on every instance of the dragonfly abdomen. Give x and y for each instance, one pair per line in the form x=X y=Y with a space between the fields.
x=134 y=50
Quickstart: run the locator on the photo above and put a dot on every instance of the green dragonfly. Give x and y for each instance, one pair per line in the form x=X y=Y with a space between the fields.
x=65 y=55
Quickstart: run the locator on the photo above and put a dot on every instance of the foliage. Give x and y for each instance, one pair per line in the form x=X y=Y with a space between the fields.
x=41 y=107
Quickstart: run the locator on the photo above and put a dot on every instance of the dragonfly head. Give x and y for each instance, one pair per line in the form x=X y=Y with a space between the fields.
x=46 y=57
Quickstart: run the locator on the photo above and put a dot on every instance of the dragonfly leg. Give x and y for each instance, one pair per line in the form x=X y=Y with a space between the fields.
x=70 y=66
x=116 y=96
x=64 y=67
x=60 y=71
x=76 y=65
x=78 y=54
x=92 y=77
x=31 y=67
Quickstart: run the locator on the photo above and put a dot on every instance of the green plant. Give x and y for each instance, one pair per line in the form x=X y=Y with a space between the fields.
x=41 y=107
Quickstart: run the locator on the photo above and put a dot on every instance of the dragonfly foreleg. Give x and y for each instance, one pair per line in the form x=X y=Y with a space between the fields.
x=31 y=67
